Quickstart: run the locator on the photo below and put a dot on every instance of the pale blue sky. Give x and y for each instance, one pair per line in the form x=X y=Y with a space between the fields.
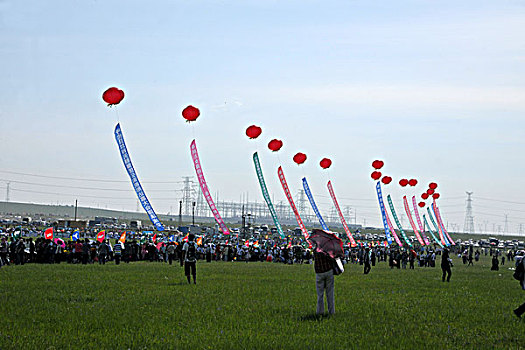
x=435 y=89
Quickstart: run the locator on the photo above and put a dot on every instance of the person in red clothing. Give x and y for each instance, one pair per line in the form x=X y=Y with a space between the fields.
x=324 y=282
x=78 y=251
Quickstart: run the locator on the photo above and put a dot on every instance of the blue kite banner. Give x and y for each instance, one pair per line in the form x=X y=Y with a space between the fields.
x=135 y=180
x=314 y=206
x=383 y=213
x=439 y=227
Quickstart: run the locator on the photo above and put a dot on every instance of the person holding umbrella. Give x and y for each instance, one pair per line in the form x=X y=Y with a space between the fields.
x=327 y=247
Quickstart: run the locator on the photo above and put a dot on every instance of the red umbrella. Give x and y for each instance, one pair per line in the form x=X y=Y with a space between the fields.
x=327 y=242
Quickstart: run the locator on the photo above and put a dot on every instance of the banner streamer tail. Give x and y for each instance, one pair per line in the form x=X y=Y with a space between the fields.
x=135 y=180
x=204 y=188
x=396 y=238
x=438 y=229
x=444 y=229
x=418 y=218
x=383 y=213
x=286 y=190
x=431 y=232
x=409 y=214
x=396 y=219
x=265 y=194
x=343 y=221
x=313 y=205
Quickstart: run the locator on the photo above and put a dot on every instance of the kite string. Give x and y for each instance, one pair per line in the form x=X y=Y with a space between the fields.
x=116 y=112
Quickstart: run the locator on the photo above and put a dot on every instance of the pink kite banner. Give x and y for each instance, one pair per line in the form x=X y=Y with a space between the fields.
x=343 y=221
x=290 y=200
x=391 y=227
x=441 y=223
x=205 y=190
x=418 y=218
x=409 y=214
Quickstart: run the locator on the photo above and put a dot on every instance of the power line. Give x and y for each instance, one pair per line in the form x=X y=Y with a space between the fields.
x=83 y=179
x=79 y=187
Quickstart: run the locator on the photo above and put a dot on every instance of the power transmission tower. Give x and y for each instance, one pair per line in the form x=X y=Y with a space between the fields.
x=468 y=227
x=506 y=229
x=188 y=194
x=7 y=192
x=301 y=203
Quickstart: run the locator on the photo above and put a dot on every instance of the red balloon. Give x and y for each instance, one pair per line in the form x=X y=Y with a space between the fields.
x=325 y=163
x=190 y=113
x=113 y=96
x=435 y=195
x=299 y=158
x=378 y=164
x=424 y=196
x=275 y=145
x=403 y=182
x=421 y=204
x=376 y=175
x=430 y=191
x=253 y=131
x=386 y=180
x=412 y=182
x=433 y=185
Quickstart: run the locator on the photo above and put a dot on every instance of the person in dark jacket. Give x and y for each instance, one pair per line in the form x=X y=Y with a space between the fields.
x=446 y=264
x=521 y=309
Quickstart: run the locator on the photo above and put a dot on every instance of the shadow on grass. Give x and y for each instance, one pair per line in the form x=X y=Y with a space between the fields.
x=313 y=317
x=178 y=284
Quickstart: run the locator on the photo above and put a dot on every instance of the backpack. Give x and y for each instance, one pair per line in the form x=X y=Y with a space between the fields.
x=191 y=253
x=519 y=273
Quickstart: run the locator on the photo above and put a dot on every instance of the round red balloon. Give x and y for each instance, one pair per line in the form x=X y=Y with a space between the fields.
x=403 y=182
x=325 y=163
x=299 y=158
x=376 y=175
x=433 y=185
x=113 y=96
x=378 y=164
x=430 y=191
x=275 y=145
x=435 y=195
x=253 y=131
x=421 y=204
x=424 y=196
x=386 y=180
x=412 y=182
x=190 y=113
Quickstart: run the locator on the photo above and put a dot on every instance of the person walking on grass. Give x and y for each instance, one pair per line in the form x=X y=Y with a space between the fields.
x=117 y=251
x=189 y=250
x=446 y=264
x=324 y=282
x=520 y=274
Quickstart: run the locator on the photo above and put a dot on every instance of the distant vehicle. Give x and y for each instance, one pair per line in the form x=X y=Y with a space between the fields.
x=135 y=224
x=27 y=220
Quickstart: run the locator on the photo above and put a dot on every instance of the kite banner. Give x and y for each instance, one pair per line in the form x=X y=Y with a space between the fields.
x=409 y=214
x=266 y=196
x=314 y=206
x=443 y=226
x=396 y=219
x=418 y=218
x=430 y=230
x=440 y=226
x=135 y=180
x=391 y=227
x=205 y=190
x=290 y=200
x=438 y=229
x=383 y=213
x=343 y=221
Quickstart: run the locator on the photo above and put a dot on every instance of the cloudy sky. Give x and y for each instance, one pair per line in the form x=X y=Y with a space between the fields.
x=435 y=89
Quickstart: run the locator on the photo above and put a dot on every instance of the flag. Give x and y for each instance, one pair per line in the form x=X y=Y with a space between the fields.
x=122 y=238
x=75 y=236
x=289 y=245
x=17 y=234
x=101 y=236
x=185 y=239
x=159 y=245
x=247 y=243
x=155 y=237
x=172 y=238
x=48 y=234
x=256 y=243
x=199 y=240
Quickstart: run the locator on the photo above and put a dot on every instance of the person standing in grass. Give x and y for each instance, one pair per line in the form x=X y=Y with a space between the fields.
x=366 y=261
x=446 y=263
x=189 y=251
x=520 y=268
x=324 y=282
x=117 y=251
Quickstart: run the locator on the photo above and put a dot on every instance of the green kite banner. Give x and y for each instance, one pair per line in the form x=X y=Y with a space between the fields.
x=431 y=232
x=396 y=219
x=266 y=196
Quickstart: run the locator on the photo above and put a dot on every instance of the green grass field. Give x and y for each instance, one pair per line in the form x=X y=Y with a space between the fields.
x=255 y=306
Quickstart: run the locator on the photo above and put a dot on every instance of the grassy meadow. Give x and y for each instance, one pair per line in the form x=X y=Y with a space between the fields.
x=255 y=306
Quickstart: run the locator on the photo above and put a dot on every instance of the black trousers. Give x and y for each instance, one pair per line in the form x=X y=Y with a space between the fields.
x=190 y=267
x=520 y=310
x=117 y=259
x=367 y=268
x=446 y=270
